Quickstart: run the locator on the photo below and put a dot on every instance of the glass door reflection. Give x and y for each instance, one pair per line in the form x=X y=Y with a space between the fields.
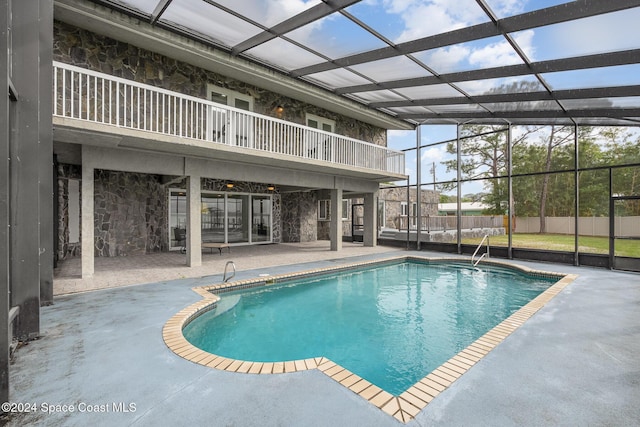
x=261 y=219
x=237 y=218
x=212 y=217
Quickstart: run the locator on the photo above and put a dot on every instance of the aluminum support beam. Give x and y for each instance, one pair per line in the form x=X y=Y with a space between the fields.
x=418 y=185
x=608 y=59
x=45 y=151
x=26 y=153
x=5 y=186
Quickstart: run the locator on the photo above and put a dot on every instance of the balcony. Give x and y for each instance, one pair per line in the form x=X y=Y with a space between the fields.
x=91 y=100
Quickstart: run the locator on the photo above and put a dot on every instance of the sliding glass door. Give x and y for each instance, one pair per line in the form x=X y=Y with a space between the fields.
x=261 y=218
x=213 y=218
x=177 y=219
x=225 y=218
x=237 y=218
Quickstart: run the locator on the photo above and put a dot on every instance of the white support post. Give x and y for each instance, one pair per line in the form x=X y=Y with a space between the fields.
x=370 y=237
x=87 y=238
x=194 y=227
x=336 y=219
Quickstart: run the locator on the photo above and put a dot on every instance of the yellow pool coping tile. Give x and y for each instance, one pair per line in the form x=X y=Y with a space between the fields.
x=409 y=407
x=404 y=407
x=370 y=392
x=391 y=407
x=358 y=386
x=420 y=395
x=341 y=375
x=334 y=370
x=382 y=398
x=245 y=367
x=350 y=380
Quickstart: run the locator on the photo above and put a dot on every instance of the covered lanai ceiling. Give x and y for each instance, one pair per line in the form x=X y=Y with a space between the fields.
x=435 y=61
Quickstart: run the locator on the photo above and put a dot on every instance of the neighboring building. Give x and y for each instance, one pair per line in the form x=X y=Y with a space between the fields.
x=398 y=210
x=466 y=208
x=161 y=143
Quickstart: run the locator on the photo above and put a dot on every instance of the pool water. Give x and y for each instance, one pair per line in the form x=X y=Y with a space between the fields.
x=391 y=325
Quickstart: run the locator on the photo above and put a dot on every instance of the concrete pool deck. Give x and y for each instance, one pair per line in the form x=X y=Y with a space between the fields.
x=575 y=362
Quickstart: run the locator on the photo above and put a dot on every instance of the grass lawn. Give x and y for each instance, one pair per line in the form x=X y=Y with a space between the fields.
x=562 y=242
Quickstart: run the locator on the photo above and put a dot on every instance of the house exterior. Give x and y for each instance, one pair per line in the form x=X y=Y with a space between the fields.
x=161 y=143
x=398 y=210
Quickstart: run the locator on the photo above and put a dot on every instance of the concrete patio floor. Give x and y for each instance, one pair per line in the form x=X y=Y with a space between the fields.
x=575 y=362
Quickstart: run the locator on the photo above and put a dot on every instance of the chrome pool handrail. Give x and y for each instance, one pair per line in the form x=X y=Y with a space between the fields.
x=224 y=277
x=486 y=237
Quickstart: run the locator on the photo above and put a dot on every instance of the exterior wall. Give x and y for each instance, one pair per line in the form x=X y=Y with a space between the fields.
x=129 y=214
x=393 y=197
x=324 y=228
x=299 y=217
x=85 y=49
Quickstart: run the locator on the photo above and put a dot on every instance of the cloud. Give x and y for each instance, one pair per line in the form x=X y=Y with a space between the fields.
x=446 y=59
x=423 y=18
x=433 y=154
x=501 y=53
x=279 y=10
x=504 y=8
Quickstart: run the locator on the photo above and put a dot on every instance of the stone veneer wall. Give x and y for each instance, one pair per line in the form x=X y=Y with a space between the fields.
x=129 y=213
x=220 y=185
x=394 y=196
x=299 y=217
x=75 y=46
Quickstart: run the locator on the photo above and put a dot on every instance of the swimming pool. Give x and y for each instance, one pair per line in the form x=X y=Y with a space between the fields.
x=411 y=345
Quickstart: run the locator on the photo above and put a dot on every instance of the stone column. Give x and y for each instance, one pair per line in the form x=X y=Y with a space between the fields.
x=370 y=237
x=335 y=232
x=87 y=237
x=194 y=226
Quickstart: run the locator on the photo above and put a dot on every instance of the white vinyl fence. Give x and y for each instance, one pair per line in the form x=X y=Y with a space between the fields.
x=628 y=226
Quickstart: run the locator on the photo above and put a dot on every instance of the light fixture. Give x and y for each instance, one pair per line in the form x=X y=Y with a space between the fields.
x=271 y=188
x=229 y=184
x=279 y=109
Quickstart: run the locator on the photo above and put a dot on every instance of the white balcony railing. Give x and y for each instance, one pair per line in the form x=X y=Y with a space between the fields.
x=100 y=98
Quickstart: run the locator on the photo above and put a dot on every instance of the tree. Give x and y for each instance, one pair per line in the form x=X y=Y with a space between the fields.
x=557 y=137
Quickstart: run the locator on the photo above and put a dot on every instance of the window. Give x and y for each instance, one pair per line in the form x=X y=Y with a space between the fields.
x=345 y=209
x=414 y=214
x=321 y=123
x=324 y=210
x=382 y=209
x=404 y=211
x=230 y=98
